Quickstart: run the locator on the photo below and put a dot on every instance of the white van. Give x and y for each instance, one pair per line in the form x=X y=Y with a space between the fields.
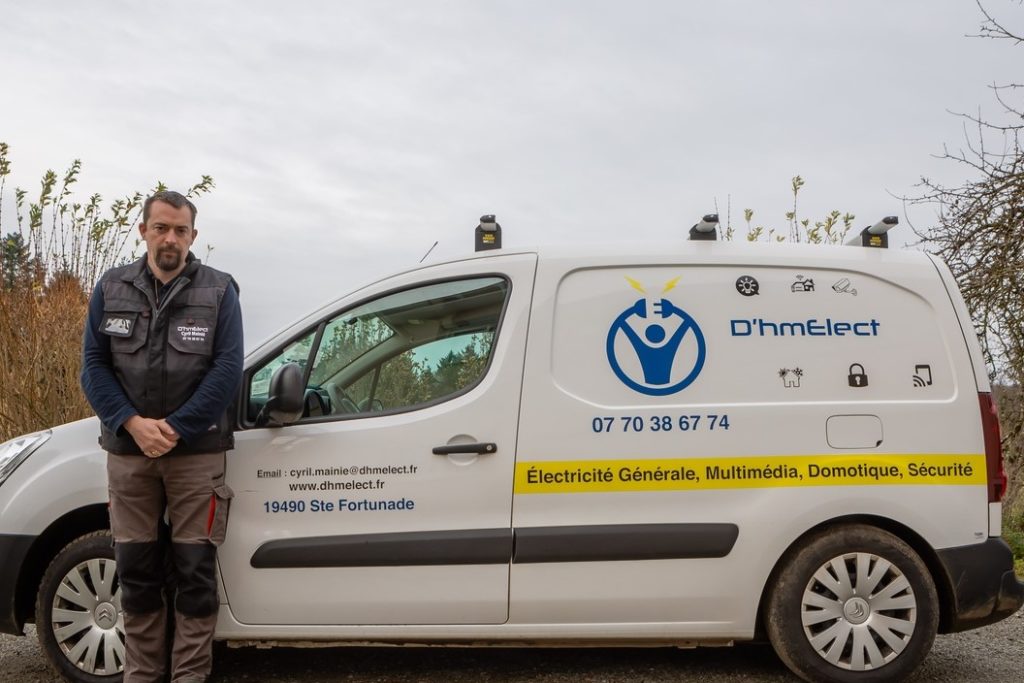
x=693 y=443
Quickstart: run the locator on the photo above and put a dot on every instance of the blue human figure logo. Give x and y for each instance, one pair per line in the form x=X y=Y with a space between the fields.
x=656 y=349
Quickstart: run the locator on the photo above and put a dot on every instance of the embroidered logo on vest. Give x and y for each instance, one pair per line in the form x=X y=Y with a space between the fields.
x=118 y=325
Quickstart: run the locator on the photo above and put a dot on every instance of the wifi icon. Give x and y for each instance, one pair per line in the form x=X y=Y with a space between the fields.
x=922 y=375
x=918 y=382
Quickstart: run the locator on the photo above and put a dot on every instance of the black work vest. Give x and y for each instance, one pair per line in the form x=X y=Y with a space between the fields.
x=161 y=351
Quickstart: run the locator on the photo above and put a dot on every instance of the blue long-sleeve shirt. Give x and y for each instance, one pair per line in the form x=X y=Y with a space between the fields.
x=207 y=403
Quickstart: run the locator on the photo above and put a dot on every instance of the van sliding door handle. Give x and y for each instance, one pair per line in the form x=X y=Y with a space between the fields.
x=478 y=448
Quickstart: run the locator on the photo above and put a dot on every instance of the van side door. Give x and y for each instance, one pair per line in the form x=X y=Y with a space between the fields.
x=389 y=502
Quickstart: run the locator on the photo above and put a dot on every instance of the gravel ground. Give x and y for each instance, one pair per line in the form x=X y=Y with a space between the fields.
x=994 y=654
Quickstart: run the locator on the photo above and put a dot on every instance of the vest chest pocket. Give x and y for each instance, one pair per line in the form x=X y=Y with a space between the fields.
x=191 y=335
x=126 y=329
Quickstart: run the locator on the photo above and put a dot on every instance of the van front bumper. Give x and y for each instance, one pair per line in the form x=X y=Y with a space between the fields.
x=13 y=551
x=983 y=585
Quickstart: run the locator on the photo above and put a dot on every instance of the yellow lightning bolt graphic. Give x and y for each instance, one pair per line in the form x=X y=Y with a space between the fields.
x=635 y=285
x=671 y=284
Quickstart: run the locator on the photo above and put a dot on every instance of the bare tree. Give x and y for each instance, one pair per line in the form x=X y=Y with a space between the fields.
x=979 y=232
x=980 y=228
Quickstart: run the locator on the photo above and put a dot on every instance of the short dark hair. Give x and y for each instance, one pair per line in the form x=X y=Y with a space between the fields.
x=175 y=199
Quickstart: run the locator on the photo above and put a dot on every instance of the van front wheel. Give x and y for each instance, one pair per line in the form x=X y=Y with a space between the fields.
x=78 y=612
x=853 y=604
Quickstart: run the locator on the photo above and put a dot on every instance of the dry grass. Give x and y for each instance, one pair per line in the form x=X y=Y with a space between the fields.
x=40 y=358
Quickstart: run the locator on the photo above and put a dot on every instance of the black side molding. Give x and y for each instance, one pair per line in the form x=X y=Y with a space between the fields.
x=414 y=548
x=528 y=545
x=623 y=542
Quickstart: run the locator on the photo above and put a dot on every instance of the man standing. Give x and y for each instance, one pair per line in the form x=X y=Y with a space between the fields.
x=162 y=359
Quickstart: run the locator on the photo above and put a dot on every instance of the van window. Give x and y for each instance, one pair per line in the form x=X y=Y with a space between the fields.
x=423 y=374
x=405 y=349
x=296 y=352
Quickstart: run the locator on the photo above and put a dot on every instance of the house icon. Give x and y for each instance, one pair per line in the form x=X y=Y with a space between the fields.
x=791 y=377
x=802 y=285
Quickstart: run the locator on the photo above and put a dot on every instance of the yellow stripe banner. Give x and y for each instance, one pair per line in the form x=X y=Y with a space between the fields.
x=771 y=471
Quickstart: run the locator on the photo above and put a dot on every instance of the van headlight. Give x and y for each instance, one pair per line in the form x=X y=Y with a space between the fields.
x=14 y=452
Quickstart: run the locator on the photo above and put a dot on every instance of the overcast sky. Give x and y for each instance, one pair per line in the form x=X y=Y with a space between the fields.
x=346 y=137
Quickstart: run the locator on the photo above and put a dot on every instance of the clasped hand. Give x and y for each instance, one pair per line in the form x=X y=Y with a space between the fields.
x=154 y=437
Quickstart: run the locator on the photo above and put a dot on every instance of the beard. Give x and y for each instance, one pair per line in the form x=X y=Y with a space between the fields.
x=168 y=260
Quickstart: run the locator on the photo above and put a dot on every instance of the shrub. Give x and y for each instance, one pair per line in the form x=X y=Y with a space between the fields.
x=48 y=267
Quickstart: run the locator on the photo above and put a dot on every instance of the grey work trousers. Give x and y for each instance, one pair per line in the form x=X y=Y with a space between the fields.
x=192 y=491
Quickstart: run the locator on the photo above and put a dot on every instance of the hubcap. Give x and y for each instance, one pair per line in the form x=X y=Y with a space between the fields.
x=87 y=621
x=858 y=611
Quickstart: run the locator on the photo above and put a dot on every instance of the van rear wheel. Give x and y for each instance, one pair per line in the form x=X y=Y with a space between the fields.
x=78 y=612
x=854 y=604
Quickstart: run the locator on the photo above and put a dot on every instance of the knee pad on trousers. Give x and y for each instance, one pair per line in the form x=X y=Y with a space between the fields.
x=196 y=565
x=140 y=569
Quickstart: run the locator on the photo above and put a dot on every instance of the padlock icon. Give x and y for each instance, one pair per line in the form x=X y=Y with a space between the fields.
x=857 y=377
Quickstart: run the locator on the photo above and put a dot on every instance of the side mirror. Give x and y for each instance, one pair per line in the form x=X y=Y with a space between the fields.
x=284 y=402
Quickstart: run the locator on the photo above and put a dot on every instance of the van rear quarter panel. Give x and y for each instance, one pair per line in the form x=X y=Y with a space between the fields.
x=778 y=361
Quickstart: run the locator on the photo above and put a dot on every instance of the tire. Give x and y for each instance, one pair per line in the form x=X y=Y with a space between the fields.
x=78 y=612
x=823 y=630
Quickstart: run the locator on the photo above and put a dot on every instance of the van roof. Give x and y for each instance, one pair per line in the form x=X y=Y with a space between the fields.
x=670 y=252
